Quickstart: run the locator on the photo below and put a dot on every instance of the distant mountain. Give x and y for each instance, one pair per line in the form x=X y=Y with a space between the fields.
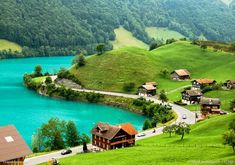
x=60 y=27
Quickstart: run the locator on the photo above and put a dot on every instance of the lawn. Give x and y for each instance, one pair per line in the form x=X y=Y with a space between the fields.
x=39 y=80
x=163 y=33
x=113 y=69
x=125 y=38
x=6 y=45
x=204 y=144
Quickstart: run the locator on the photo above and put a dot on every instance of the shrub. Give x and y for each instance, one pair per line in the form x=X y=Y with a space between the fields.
x=128 y=87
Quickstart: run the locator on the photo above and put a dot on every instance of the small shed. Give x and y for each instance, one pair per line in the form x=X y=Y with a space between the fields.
x=148 y=89
x=180 y=74
x=13 y=148
x=230 y=84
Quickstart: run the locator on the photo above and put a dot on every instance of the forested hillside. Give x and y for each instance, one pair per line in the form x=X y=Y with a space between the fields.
x=62 y=27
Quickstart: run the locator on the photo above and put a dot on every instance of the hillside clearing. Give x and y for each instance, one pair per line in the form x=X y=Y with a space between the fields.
x=166 y=150
x=125 y=38
x=6 y=45
x=163 y=33
x=110 y=71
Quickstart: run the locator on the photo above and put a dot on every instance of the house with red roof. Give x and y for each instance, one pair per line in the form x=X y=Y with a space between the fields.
x=109 y=137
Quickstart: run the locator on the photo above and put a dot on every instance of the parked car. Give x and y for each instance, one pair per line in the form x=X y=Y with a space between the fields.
x=184 y=116
x=66 y=152
x=141 y=135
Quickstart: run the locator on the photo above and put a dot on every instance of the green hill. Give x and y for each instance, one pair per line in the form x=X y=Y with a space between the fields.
x=113 y=69
x=125 y=38
x=204 y=143
x=6 y=45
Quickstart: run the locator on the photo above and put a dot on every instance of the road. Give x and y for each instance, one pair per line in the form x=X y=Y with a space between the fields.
x=180 y=111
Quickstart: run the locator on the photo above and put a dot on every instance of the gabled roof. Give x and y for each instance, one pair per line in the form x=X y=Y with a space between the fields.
x=210 y=101
x=12 y=145
x=182 y=72
x=193 y=92
x=128 y=128
x=149 y=87
x=111 y=131
x=205 y=81
x=151 y=83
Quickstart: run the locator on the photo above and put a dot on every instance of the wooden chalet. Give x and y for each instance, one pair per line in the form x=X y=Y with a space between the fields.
x=230 y=84
x=13 y=148
x=200 y=83
x=192 y=96
x=108 y=137
x=148 y=89
x=181 y=74
x=210 y=106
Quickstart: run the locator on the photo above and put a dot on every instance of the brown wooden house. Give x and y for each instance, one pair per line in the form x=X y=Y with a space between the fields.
x=13 y=148
x=148 y=89
x=210 y=106
x=230 y=84
x=108 y=137
x=200 y=83
x=192 y=96
x=181 y=74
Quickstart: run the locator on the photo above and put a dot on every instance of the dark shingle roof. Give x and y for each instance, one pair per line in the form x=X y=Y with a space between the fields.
x=210 y=101
x=193 y=92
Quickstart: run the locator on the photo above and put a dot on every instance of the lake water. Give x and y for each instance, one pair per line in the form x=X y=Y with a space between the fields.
x=28 y=111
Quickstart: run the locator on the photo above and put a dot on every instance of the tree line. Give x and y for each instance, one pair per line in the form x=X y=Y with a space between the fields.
x=65 y=27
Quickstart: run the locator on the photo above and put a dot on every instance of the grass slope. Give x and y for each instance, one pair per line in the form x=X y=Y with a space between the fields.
x=125 y=38
x=111 y=70
x=6 y=45
x=163 y=33
x=204 y=143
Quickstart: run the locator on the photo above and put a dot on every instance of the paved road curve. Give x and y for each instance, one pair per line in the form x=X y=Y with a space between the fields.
x=180 y=111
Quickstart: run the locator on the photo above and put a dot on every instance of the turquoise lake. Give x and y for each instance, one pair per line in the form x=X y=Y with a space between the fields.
x=28 y=111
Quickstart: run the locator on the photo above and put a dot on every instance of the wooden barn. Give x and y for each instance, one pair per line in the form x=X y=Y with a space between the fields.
x=200 y=83
x=192 y=96
x=181 y=74
x=210 y=106
x=148 y=89
x=13 y=148
x=108 y=137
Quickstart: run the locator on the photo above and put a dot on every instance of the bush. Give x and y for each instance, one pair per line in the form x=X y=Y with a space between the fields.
x=147 y=124
x=128 y=87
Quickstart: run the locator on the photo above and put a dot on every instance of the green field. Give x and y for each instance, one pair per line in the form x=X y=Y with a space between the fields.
x=204 y=143
x=6 y=45
x=163 y=33
x=125 y=38
x=111 y=70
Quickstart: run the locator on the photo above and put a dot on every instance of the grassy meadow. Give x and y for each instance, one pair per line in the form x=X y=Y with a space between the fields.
x=125 y=38
x=163 y=33
x=6 y=45
x=203 y=144
x=113 y=69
